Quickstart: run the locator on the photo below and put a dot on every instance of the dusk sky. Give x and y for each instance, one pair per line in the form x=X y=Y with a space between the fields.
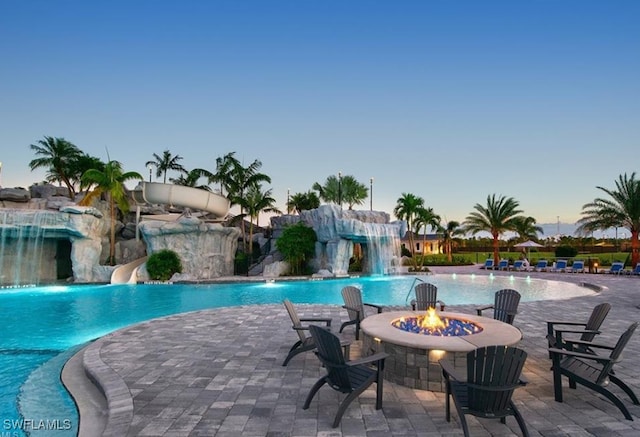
x=448 y=100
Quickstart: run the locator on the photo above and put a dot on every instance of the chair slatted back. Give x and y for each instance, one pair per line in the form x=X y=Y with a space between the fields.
x=616 y=353
x=329 y=351
x=295 y=319
x=493 y=373
x=426 y=296
x=506 y=305
x=352 y=297
x=596 y=318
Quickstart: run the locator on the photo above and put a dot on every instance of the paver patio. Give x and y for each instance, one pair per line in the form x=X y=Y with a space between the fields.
x=218 y=373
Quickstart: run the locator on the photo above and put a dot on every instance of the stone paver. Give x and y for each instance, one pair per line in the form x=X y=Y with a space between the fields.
x=218 y=373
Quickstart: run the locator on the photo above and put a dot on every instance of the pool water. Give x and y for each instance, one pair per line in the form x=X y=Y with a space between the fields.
x=40 y=324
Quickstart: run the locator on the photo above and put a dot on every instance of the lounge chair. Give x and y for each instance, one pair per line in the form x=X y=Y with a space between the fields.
x=616 y=268
x=350 y=377
x=592 y=370
x=426 y=297
x=560 y=266
x=488 y=264
x=577 y=267
x=636 y=270
x=493 y=373
x=541 y=266
x=518 y=265
x=305 y=342
x=503 y=264
x=588 y=330
x=505 y=306
x=352 y=297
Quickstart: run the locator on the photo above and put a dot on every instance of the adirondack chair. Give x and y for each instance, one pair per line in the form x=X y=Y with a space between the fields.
x=305 y=342
x=355 y=308
x=589 y=329
x=505 y=306
x=591 y=370
x=350 y=377
x=493 y=373
x=426 y=297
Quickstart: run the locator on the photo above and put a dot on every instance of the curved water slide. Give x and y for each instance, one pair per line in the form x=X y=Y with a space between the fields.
x=174 y=195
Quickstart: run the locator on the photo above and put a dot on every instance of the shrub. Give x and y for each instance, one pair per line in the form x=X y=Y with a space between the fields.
x=162 y=265
x=241 y=264
x=566 y=252
x=297 y=245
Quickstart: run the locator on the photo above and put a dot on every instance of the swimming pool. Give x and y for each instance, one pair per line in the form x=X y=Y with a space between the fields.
x=41 y=326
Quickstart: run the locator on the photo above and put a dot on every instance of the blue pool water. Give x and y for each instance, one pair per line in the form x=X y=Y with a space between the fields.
x=42 y=326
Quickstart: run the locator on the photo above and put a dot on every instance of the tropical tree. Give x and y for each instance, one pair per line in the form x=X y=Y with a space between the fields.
x=330 y=191
x=408 y=208
x=526 y=228
x=80 y=165
x=256 y=201
x=56 y=155
x=191 y=178
x=224 y=167
x=110 y=182
x=450 y=230
x=342 y=189
x=303 y=201
x=297 y=245
x=165 y=163
x=425 y=218
x=622 y=209
x=499 y=215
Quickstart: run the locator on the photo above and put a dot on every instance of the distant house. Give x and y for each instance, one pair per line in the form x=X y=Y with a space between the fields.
x=425 y=244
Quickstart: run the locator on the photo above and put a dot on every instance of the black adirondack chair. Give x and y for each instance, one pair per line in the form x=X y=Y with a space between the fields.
x=592 y=370
x=493 y=373
x=355 y=308
x=556 y=329
x=426 y=297
x=350 y=377
x=505 y=306
x=305 y=342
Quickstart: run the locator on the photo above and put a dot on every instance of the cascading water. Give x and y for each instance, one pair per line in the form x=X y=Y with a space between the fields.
x=23 y=247
x=382 y=246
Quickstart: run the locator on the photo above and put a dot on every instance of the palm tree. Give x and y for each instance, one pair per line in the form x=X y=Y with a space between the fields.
x=224 y=166
x=165 y=163
x=303 y=201
x=330 y=191
x=255 y=202
x=190 y=178
x=110 y=182
x=56 y=156
x=621 y=210
x=408 y=207
x=352 y=192
x=498 y=216
x=449 y=231
x=80 y=165
x=526 y=228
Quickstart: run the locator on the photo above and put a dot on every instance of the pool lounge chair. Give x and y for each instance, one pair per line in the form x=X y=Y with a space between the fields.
x=503 y=264
x=518 y=265
x=616 y=268
x=577 y=267
x=488 y=264
x=560 y=266
x=636 y=270
x=541 y=266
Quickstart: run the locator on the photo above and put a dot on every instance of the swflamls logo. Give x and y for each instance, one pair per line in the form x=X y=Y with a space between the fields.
x=37 y=424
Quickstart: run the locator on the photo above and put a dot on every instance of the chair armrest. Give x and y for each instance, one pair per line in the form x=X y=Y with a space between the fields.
x=320 y=319
x=449 y=371
x=568 y=353
x=589 y=344
x=564 y=322
x=377 y=307
x=380 y=356
x=479 y=310
x=576 y=331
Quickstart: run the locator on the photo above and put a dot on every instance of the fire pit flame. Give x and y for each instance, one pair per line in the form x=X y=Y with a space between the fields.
x=432 y=324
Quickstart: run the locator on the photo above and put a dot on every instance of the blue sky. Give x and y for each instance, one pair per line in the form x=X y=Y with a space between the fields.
x=448 y=100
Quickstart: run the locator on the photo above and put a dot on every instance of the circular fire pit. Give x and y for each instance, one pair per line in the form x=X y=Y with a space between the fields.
x=414 y=353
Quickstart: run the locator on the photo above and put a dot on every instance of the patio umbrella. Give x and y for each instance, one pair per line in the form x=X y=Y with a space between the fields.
x=528 y=245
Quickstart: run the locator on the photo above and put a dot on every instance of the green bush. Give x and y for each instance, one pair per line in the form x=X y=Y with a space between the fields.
x=162 y=265
x=241 y=264
x=566 y=252
x=297 y=245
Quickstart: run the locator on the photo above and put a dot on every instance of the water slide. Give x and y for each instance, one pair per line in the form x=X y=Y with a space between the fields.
x=179 y=195
x=127 y=273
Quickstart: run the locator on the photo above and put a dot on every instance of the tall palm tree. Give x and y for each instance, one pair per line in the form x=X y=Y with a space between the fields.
x=255 y=202
x=621 y=210
x=80 y=165
x=191 y=178
x=165 y=163
x=407 y=208
x=224 y=167
x=496 y=217
x=330 y=191
x=303 y=201
x=352 y=192
x=110 y=182
x=56 y=156
x=425 y=217
x=526 y=228
x=450 y=230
